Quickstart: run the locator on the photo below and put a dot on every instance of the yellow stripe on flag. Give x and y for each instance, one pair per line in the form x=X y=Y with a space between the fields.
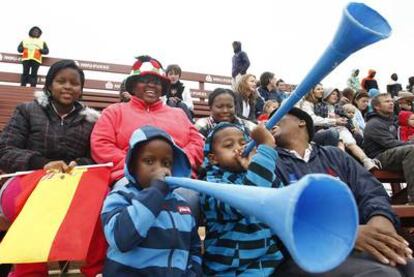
x=31 y=235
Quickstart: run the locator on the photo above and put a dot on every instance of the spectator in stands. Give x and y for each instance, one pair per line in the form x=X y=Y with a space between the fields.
x=267 y=89
x=380 y=141
x=406 y=121
x=349 y=111
x=32 y=48
x=147 y=83
x=247 y=98
x=410 y=86
x=144 y=220
x=178 y=96
x=268 y=108
x=369 y=82
x=222 y=109
x=52 y=133
x=405 y=101
x=236 y=245
x=240 y=63
x=123 y=94
x=281 y=91
x=379 y=250
x=347 y=96
x=353 y=80
x=361 y=101
x=327 y=109
x=394 y=87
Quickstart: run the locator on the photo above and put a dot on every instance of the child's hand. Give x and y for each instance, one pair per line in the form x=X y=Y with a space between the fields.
x=244 y=161
x=263 y=136
x=59 y=166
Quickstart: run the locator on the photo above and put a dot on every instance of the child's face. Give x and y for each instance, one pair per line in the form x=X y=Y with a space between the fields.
x=273 y=106
x=173 y=76
x=150 y=158
x=226 y=142
x=411 y=120
x=350 y=113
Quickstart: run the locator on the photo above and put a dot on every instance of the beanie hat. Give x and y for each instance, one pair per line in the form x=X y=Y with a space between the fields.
x=146 y=65
x=33 y=29
x=373 y=92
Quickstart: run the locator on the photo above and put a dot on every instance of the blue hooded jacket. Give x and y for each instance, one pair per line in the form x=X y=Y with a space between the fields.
x=149 y=234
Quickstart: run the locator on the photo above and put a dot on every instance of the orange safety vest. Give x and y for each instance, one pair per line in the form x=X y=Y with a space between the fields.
x=31 y=49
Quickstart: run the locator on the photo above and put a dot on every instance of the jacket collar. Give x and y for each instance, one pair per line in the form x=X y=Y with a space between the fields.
x=287 y=153
x=140 y=104
x=91 y=115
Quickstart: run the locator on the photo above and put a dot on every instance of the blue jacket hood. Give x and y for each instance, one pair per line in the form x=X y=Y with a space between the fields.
x=181 y=165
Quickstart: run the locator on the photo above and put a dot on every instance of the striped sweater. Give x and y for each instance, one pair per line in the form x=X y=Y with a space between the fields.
x=235 y=244
x=149 y=235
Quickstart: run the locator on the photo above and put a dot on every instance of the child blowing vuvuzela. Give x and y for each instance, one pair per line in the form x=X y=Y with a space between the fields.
x=236 y=244
x=149 y=228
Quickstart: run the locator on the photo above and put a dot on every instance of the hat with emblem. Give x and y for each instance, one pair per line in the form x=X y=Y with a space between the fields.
x=146 y=65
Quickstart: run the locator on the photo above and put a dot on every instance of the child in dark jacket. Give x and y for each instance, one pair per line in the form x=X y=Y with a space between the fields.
x=149 y=228
x=236 y=244
x=406 y=122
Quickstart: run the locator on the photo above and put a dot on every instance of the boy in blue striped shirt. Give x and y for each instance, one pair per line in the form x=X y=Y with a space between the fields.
x=238 y=245
x=150 y=229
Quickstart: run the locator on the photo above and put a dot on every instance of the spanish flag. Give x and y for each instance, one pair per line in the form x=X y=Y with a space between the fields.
x=58 y=216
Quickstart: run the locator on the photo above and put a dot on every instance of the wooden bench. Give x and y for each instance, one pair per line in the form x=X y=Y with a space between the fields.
x=399 y=195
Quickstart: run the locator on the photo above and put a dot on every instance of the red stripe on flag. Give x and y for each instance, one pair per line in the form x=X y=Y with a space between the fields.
x=75 y=233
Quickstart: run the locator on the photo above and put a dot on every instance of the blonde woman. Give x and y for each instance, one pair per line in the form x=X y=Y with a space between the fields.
x=246 y=97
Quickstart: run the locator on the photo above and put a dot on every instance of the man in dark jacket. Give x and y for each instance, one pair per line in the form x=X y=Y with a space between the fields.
x=381 y=141
x=240 y=63
x=377 y=238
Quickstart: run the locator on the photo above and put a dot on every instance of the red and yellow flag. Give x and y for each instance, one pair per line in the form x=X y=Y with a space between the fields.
x=58 y=218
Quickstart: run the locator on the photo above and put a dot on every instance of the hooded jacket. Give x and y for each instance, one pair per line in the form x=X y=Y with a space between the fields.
x=150 y=234
x=369 y=82
x=110 y=136
x=36 y=135
x=370 y=195
x=353 y=81
x=240 y=62
x=406 y=131
x=380 y=134
x=236 y=244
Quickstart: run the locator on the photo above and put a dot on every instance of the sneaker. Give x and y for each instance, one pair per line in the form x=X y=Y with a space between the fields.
x=369 y=164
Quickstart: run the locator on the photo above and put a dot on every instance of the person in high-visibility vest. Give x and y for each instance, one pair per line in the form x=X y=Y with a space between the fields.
x=32 y=49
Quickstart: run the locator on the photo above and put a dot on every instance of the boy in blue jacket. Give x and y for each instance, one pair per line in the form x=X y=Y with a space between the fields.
x=150 y=229
x=237 y=245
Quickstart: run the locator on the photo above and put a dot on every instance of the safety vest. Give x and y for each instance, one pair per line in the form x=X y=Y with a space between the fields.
x=31 y=49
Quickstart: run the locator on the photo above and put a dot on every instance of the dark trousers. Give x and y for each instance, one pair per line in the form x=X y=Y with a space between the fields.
x=400 y=158
x=182 y=106
x=356 y=265
x=29 y=74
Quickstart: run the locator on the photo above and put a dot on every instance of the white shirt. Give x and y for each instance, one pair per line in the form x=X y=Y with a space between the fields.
x=305 y=157
x=246 y=109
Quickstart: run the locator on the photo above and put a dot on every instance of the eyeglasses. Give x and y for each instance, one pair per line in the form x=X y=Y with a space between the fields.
x=146 y=79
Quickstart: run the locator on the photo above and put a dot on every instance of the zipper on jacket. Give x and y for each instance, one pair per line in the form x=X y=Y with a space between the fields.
x=172 y=250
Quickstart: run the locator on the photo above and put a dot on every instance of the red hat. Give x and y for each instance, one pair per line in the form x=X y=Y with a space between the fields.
x=146 y=65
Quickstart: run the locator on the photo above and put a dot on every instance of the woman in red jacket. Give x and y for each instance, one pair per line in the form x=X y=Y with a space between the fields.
x=146 y=83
